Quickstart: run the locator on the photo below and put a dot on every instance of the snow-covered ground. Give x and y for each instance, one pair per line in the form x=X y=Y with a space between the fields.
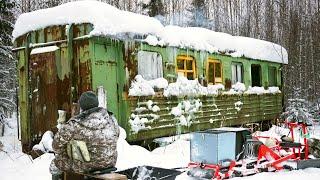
x=16 y=165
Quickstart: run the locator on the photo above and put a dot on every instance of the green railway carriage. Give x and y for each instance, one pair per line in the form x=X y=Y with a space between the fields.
x=57 y=63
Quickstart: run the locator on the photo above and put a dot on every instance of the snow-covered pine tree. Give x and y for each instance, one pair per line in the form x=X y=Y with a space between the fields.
x=198 y=13
x=8 y=63
x=154 y=8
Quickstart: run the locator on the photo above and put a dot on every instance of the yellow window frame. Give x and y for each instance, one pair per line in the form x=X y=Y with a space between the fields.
x=185 y=71
x=216 y=79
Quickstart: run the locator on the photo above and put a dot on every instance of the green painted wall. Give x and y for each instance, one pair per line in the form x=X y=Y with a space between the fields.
x=169 y=55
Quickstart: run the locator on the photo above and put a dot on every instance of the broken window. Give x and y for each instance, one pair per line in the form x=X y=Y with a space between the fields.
x=272 y=76
x=256 y=75
x=150 y=65
x=236 y=73
x=214 y=71
x=186 y=67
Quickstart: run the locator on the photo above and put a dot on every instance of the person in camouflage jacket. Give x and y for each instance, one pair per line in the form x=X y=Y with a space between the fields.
x=97 y=129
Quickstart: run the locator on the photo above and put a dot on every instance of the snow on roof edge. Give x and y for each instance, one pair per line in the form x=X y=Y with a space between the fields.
x=108 y=20
x=105 y=18
x=44 y=49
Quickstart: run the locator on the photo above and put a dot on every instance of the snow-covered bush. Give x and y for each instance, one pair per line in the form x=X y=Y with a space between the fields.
x=299 y=110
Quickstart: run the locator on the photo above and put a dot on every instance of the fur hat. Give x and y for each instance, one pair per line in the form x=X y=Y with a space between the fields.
x=88 y=100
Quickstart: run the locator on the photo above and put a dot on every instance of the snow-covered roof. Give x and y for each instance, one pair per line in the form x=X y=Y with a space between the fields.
x=108 y=20
x=217 y=42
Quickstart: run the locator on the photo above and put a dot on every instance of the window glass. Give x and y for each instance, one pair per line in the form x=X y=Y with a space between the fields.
x=211 y=73
x=190 y=76
x=214 y=71
x=217 y=70
x=150 y=65
x=236 y=73
x=186 y=67
x=189 y=64
x=272 y=76
x=180 y=64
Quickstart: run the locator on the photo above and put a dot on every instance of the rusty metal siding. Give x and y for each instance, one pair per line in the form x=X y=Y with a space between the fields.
x=81 y=69
x=54 y=33
x=81 y=29
x=55 y=69
x=43 y=89
x=83 y=55
x=63 y=66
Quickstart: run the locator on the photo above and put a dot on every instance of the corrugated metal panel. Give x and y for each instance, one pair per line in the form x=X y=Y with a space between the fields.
x=215 y=112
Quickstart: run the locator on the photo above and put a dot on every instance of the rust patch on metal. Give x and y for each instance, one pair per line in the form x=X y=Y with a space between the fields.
x=58 y=33
x=130 y=64
x=81 y=78
x=48 y=94
x=37 y=36
x=76 y=31
x=85 y=29
x=63 y=95
x=20 y=41
x=45 y=34
x=85 y=77
x=43 y=87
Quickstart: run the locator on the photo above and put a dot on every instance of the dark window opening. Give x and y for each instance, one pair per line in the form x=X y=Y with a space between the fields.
x=256 y=75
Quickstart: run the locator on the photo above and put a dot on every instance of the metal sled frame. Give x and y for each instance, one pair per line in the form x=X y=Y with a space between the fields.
x=216 y=169
x=275 y=160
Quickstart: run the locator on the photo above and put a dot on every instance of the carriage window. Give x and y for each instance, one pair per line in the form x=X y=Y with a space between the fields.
x=272 y=76
x=214 y=71
x=236 y=73
x=150 y=65
x=256 y=75
x=186 y=67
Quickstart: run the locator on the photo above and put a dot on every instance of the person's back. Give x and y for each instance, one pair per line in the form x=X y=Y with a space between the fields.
x=87 y=141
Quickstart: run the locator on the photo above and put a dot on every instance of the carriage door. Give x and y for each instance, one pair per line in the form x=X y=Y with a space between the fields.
x=104 y=73
x=45 y=91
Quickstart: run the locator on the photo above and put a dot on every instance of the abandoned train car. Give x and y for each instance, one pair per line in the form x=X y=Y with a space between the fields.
x=58 y=60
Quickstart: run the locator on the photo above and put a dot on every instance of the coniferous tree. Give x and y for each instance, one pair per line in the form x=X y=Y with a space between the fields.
x=154 y=8
x=198 y=14
x=7 y=62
